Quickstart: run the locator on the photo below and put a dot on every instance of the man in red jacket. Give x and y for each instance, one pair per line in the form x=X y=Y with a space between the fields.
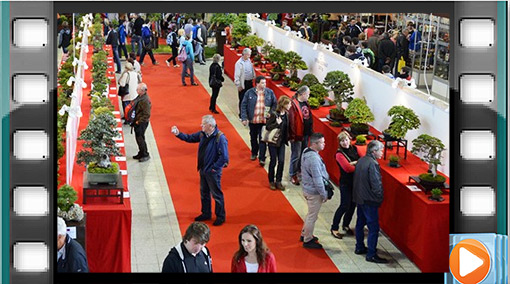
x=300 y=129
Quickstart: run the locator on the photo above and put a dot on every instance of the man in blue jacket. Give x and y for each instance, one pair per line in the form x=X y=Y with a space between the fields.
x=256 y=106
x=70 y=255
x=122 y=39
x=212 y=158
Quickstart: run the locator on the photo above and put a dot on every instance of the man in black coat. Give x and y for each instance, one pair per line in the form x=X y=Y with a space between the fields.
x=386 y=52
x=368 y=193
x=136 y=36
x=113 y=39
x=70 y=255
x=402 y=47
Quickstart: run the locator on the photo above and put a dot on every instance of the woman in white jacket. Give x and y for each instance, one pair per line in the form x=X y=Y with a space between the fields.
x=131 y=77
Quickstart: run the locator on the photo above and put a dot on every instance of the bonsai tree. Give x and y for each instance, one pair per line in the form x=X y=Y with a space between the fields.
x=66 y=208
x=436 y=194
x=252 y=41
x=277 y=56
x=294 y=63
x=319 y=92
x=99 y=144
x=403 y=119
x=240 y=29
x=335 y=124
x=359 y=114
x=309 y=80
x=266 y=48
x=430 y=149
x=340 y=83
x=314 y=102
x=361 y=140
x=218 y=22
x=394 y=161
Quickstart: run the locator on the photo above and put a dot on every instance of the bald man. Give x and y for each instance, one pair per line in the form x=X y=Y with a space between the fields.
x=141 y=121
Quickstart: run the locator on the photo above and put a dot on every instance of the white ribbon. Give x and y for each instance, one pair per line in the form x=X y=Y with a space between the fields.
x=73 y=111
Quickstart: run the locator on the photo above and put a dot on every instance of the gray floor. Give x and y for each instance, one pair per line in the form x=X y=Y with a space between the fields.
x=155 y=230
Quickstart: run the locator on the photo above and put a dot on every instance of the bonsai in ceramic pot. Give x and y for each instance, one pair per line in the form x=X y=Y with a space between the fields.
x=403 y=119
x=99 y=146
x=319 y=92
x=435 y=194
x=66 y=208
x=294 y=63
x=430 y=149
x=314 y=103
x=394 y=161
x=359 y=114
x=340 y=84
x=361 y=140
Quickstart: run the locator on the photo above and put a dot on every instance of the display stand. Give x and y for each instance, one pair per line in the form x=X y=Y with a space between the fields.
x=400 y=143
x=116 y=190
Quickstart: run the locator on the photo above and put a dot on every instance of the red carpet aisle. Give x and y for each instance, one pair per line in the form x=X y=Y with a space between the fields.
x=248 y=198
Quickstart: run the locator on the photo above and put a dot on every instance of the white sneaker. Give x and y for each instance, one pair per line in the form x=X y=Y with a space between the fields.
x=167 y=63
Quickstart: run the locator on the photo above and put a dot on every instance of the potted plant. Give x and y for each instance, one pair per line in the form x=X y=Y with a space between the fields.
x=430 y=148
x=359 y=114
x=294 y=86
x=219 y=22
x=318 y=91
x=314 y=103
x=335 y=124
x=403 y=119
x=294 y=63
x=309 y=80
x=394 y=159
x=435 y=194
x=99 y=146
x=66 y=208
x=340 y=84
x=361 y=140
x=240 y=29
x=277 y=56
x=252 y=41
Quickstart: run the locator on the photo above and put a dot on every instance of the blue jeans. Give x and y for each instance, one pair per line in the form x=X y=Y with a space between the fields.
x=257 y=146
x=296 y=149
x=346 y=207
x=138 y=40
x=121 y=48
x=188 y=64
x=367 y=215
x=116 y=58
x=277 y=155
x=210 y=184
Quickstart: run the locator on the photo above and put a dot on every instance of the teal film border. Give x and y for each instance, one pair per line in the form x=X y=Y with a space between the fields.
x=5 y=105
x=502 y=117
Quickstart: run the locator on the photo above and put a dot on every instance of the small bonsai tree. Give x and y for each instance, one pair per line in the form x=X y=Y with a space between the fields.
x=431 y=149
x=294 y=63
x=359 y=114
x=314 y=102
x=403 y=119
x=340 y=84
x=309 y=80
x=361 y=140
x=66 y=196
x=319 y=92
x=335 y=124
x=277 y=56
x=240 y=29
x=98 y=137
x=436 y=193
x=252 y=41
x=394 y=159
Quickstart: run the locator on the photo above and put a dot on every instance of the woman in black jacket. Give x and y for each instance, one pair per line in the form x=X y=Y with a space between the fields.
x=278 y=119
x=215 y=81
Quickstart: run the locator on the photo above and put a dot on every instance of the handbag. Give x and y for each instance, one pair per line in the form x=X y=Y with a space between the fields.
x=401 y=63
x=183 y=56
x=328 y=187
x=271 y=136
x=213 y=81
x=124 y=90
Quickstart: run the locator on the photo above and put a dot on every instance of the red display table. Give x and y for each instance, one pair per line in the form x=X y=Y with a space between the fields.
x=417 y=226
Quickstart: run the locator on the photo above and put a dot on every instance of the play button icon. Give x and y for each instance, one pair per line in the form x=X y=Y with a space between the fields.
x=470 y=262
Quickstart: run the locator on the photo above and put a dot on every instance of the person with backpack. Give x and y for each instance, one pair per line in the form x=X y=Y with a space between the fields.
x=212 y=158
x=172 y=41
x=142 y=108
x=64 y=37
x=191 y=255
x=147 y=43
x=186 y=56
x=130 y=79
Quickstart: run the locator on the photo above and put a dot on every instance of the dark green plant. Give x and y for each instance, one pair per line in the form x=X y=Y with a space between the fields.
x=93 y=168
x=293 y=86
x=221 y=20
x=430 y=148
x=430 y=178
x=361 y=139
x=358 y=112
x=98 y=100
x=294 y=63
x=98 y=137
x=336 y=111
x=278 y=57
x=340 y=83
x=335 y=124
x=314 y=103
x=403 y=119
x=252 y=41
x=66 y=196
x=394 y=158
x=309 y=80
x=272 y=16
x=266 y=49
x=436 y=192
x=240 y=29
x=318 y=91
x=154 y=17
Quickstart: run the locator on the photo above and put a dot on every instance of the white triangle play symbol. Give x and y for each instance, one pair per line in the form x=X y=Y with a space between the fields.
x=468 y=262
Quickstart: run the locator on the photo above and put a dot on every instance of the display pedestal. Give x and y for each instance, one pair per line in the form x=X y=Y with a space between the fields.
x=116 y=190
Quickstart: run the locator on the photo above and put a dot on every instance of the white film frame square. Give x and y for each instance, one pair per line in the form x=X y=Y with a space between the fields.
x=30 y=88
x=31 y=201
x=477 y=33
x=31 y=257
x=477 y=201
x=31 y=145
x=30 y=33
x=477 y=88
x=477 y=145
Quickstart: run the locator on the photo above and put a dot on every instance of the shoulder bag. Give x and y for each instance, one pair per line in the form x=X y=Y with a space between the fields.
x=124 y=90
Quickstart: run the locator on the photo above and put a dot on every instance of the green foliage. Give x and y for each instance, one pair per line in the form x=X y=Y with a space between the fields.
x=240 y=29
x=314 y=102
x=336 y=111
x=403 y=119
x=358 y=112
x=277 y=56
x=394 y=158
x=93 y=168
x=272 y=16
x=66 y=196
x=266 y=49
x=335 y=124
x=98 y=137
x=361 y=139
x=252 y=41
x=61 y=150
x=115 y=23
x=318 y=91
x=436 y=192
x=340 y=83
x=431 y=178
x=154 y=17
x=431 y=149
x=98 y=101
x=222 y=20
x=309 y=80
x=294 y=62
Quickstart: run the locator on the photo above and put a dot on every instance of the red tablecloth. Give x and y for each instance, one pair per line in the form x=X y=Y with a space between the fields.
x=108 y=228
x=417 y=226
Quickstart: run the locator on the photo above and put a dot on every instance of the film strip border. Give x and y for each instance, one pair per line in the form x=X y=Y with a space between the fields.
x=478 y=81
x=32 y=119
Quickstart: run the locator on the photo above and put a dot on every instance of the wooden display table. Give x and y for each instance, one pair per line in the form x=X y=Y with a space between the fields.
x=116 y=190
